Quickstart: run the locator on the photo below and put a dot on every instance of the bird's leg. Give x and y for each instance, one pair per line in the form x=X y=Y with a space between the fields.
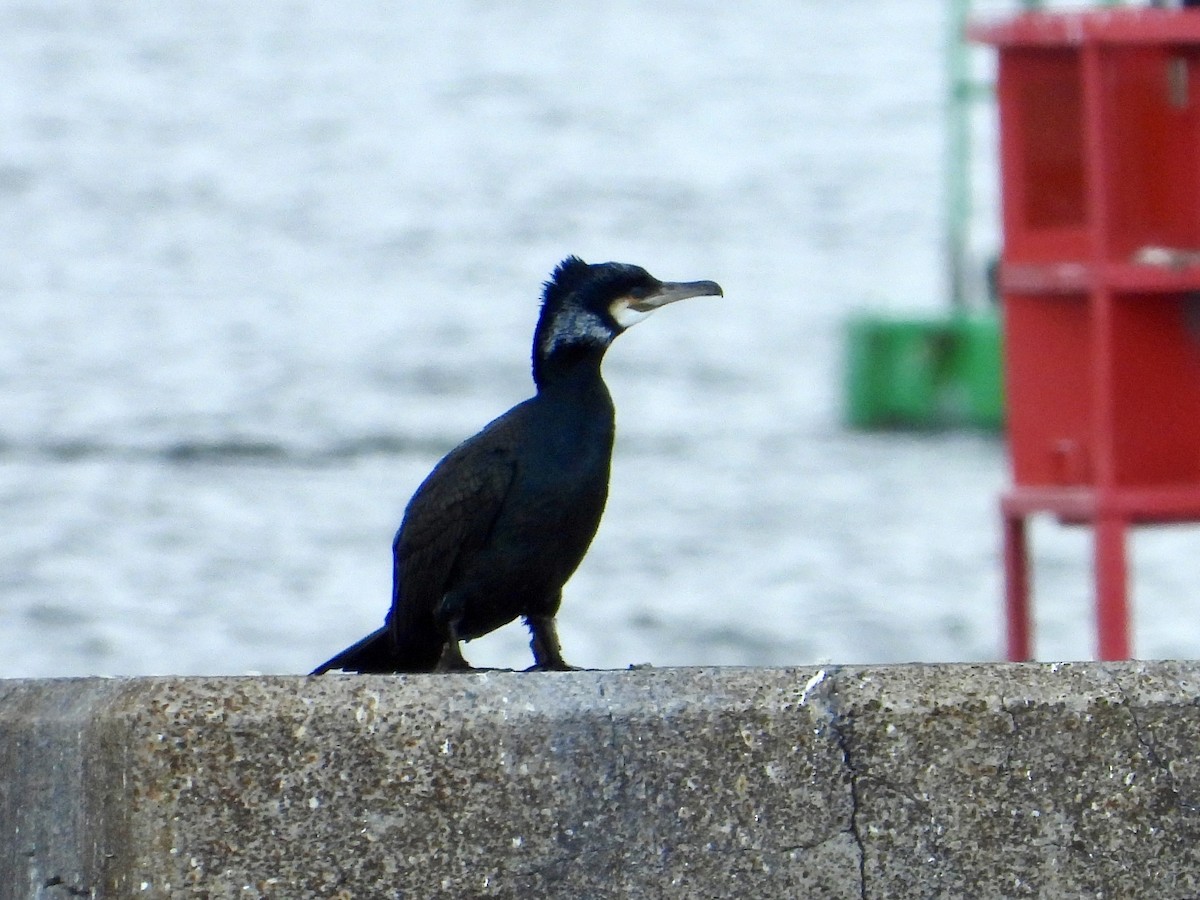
x=452 y=659
x=547 y=653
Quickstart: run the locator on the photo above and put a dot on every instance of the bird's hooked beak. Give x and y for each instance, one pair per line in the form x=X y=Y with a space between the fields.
x=632 y=308
x=670 y=291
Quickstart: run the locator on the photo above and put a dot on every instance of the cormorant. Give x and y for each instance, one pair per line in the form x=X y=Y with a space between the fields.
x=501 y=523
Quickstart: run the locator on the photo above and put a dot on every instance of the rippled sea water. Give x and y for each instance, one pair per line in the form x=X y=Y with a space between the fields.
x=260 y=265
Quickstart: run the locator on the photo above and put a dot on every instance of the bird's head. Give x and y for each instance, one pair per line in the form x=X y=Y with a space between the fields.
x=584 y=307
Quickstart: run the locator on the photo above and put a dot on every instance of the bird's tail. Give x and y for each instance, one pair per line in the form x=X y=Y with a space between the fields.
x=380 y=653
x=371 y=654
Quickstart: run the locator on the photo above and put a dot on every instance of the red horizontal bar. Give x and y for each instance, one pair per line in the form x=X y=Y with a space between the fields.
x=1076 y=277
x=1045 y=278
x=1072 y=29
x=1145 y=505
x=1160 y=279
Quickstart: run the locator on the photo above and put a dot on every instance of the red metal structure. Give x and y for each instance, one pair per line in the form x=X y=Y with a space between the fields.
x=1100 y=280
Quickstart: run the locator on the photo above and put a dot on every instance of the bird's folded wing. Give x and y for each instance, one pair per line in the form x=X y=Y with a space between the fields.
x=452 y=513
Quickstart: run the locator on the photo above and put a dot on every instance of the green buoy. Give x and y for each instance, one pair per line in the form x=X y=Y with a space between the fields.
x=924 y=372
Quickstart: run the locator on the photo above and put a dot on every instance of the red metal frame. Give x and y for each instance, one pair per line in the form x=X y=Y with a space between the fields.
x=1100 y=279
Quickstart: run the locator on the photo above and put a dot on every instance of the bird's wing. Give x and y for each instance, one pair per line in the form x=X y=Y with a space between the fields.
x=453 y=511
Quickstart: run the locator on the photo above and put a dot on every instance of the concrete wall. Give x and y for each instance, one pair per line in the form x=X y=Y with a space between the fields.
x=891 y=782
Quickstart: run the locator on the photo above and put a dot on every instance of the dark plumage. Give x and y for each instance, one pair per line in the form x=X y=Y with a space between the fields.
x=504 y=519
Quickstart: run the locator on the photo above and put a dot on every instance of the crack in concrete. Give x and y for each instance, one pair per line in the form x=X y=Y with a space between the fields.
x=1145 y=737
x=813 y=845
x=71 y=889
x=842 y=729
x=541 y=869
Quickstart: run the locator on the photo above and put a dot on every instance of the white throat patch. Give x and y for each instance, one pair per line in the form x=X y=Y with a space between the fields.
x=626 y=315
x=577 y=326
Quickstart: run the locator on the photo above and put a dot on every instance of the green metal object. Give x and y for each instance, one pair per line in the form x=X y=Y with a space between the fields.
x=960 y=92
x=934 y=372
x=924 y=372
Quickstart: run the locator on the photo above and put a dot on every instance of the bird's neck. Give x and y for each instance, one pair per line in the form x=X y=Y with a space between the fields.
x=568 y=368
x=576 y=416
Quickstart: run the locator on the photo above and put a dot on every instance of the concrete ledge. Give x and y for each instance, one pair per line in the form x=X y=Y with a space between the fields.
x=892 y=782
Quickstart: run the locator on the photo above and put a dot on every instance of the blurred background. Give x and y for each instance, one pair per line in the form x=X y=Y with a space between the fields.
x=262 y=264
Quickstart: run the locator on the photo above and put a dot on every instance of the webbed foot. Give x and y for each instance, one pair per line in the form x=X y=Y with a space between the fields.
x=452 y=660
x=558 y=666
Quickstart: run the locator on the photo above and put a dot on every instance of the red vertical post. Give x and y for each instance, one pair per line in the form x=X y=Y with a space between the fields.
x=1016 y=588
x=1112 y=612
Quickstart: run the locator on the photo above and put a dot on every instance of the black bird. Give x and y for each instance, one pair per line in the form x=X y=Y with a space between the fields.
x=505 y=518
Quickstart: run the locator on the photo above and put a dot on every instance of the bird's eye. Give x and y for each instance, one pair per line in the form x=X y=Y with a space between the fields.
x=639 y=293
